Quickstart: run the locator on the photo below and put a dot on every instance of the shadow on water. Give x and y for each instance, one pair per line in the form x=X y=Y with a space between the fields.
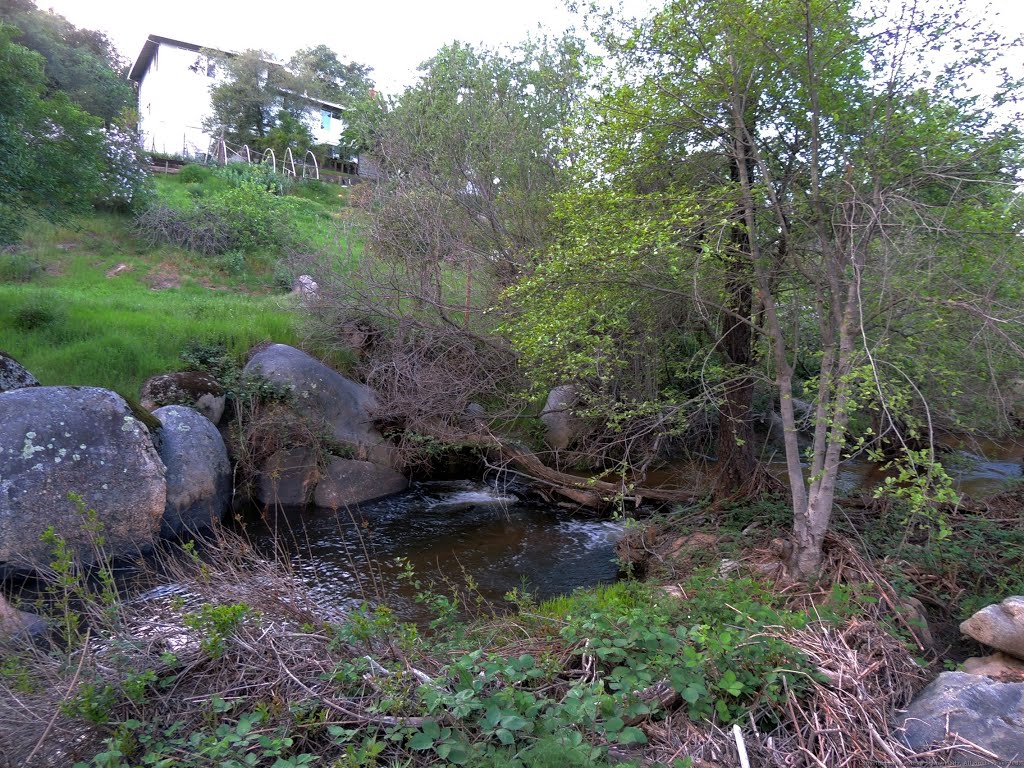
x=450 y=533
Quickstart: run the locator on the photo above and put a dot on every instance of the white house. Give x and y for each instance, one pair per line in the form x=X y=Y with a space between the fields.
x=174 y=80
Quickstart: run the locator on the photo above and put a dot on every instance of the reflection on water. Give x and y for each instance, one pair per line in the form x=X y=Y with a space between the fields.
x=983 y=471
x=983 y=468
x=445 y=531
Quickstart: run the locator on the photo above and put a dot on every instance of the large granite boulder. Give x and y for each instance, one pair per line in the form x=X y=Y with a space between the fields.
x=288 y=478
x=974 y=708
x=83 y=440
x=324 y=395
x=347 y=482
x=563 y=426
x=195 y=389
x=1000 y=626
x=198 y=470
x=13 y=374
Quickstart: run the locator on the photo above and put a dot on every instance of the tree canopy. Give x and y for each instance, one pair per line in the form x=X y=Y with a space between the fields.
x=261 y=101
x=792 y=192
x=82 y=63
x=51 y=152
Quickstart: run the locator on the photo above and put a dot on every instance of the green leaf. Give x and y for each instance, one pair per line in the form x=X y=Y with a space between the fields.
x=421 y=741
x=693 y=692
x=613 y=725
x=514 y=722
x=632 y=735
x=505 y=736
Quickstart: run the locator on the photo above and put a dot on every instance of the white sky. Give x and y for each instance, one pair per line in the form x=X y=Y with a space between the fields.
x=392 y=36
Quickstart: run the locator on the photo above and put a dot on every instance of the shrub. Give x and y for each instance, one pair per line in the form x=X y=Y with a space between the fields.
x=18 y=267
x=199 y=229
x=242 y=218
x=194 y=173
x=252 y=215
x=263 y=176
x=125 y=181
x=35 y=314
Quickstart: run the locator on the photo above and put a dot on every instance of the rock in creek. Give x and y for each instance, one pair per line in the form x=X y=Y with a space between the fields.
x=85 y=440
x=288 y=478
x=198 y=470
x=563 y=426
x=347 y=482
x=324 y=395
x=15 y=624
x=195 y=389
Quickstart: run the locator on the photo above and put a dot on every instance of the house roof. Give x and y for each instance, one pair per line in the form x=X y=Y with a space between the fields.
x=149 y=49
x=153 y=42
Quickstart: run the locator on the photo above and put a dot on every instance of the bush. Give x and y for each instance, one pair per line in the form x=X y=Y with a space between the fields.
x=263 y=176
x=253 y=216
x=245 y=218
x=195 y=174
x=36 y=314
x=125 y=181
x=18 y=268
x=199 y=229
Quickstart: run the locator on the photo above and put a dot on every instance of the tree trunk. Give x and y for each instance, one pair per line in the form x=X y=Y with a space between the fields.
x=737 y=466
x=811 y=520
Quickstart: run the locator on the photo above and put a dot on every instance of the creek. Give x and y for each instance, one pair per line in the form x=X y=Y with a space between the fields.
x=451 y=533
x=457 y=532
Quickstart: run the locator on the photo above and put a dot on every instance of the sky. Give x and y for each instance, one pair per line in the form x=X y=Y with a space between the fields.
x=392 y=36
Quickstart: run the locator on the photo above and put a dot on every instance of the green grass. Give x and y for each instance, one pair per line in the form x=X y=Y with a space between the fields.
x=68 y=319
x=72 y=324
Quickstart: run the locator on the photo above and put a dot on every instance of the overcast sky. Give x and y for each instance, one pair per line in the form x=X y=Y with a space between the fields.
x=392 y=36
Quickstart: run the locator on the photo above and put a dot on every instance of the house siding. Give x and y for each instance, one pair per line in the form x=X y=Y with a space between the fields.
x=174 y=100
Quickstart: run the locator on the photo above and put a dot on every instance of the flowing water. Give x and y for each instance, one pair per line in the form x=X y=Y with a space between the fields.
x=450 y=533
x=466 y=532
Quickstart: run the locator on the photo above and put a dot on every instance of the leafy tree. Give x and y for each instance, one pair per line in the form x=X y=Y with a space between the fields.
x=256 y=90
x=51 y=152
x=289 y=131
x=470 y=160
x=324 y=76
x=799 y=181
x=82 y=63
x=261 y=102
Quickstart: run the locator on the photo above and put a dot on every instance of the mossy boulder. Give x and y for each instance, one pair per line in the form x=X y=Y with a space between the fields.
x=196 y=389
x=77 y=460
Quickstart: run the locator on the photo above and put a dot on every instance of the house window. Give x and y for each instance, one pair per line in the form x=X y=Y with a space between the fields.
x=325 y=119
x=211 y=69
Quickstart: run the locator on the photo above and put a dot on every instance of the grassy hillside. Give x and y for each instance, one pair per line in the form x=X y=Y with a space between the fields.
x=98 y=304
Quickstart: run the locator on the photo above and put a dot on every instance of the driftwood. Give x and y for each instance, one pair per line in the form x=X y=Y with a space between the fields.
x=587 y=492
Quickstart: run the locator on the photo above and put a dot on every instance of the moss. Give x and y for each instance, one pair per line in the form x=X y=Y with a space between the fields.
x=152 y=422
